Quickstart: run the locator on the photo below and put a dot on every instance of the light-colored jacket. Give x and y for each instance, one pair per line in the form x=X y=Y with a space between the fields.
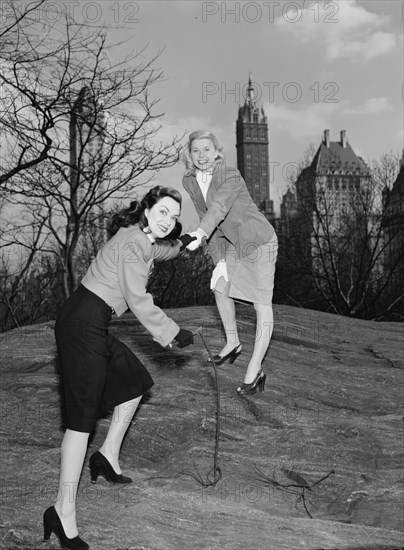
x=119 y=275
x=229 y=213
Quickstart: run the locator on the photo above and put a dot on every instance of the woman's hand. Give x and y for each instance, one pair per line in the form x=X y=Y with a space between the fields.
x=184 y=338
x=185 y=239
x=199 y=234
x=219 y=271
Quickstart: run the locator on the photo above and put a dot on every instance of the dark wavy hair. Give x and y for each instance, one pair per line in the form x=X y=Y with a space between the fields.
x=135 y=212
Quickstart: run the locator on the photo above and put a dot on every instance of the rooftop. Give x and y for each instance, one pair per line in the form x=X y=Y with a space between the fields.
x=337 y=157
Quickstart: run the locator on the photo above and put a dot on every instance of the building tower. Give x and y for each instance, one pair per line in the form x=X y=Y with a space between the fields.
x=87 y=133
x=252 y=151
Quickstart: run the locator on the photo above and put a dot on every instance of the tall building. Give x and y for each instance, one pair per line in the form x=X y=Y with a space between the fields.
x=87 y=135
x=393 y=210
x=329 y=196
x=252 y=151
x=87 y=130
x=326 y=188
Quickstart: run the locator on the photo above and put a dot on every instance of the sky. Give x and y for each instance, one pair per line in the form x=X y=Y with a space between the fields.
x=315 y=65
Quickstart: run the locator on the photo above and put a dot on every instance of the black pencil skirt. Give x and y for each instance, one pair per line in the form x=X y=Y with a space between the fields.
x=97 y=371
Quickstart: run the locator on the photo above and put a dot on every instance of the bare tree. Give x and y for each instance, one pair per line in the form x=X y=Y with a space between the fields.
x=293 y=277
x=19 y=263
x=26 y=120
x=342 y=237
x=86 y=128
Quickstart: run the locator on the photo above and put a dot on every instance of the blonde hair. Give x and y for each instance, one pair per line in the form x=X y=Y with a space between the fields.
x=186 y=151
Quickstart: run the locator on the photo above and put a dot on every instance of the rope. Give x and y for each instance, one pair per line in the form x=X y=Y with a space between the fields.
x=216 y=472
x=215 y=468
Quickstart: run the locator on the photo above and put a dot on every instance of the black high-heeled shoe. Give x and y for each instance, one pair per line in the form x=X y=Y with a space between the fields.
x=232 y=356
x=258 y=382
x=99 y=465
x=51 y=522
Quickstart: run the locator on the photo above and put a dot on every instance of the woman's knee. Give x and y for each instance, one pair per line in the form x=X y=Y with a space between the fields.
x=223 y=297
x=263 y=308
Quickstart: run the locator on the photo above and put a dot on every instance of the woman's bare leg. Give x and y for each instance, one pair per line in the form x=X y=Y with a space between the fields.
x=120 y=422
x=263 y=334
x=73 y=452
x=227 y=312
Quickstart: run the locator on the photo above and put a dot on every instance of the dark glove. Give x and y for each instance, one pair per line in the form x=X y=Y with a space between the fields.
x=184 y=338
x=185 y=240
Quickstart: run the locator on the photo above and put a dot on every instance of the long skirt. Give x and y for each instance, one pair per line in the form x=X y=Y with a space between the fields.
x=97 y=371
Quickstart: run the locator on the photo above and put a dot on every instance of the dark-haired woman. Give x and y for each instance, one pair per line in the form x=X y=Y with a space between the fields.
x=97 y=371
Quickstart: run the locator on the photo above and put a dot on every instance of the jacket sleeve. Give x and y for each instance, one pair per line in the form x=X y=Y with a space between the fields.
x=230 y=184
x=133 y=272
x=166 y=249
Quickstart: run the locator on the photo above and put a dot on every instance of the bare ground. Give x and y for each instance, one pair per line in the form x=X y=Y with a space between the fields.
x=333 y=404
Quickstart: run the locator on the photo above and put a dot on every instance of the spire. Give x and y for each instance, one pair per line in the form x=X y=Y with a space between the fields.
x=250 y=95
x=251 y=111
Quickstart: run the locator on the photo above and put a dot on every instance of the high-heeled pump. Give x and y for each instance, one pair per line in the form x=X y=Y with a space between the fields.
x=231 y=356
x=99 y=465
x=51 y=522
x=258 y=382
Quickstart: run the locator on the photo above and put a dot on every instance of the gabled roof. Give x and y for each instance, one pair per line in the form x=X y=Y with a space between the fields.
x=338 y=159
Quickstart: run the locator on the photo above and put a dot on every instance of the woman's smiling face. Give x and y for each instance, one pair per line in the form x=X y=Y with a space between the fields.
x=161 y=217
x=203 y=153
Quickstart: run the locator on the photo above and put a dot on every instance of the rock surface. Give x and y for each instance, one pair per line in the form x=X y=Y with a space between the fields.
x=333 y=402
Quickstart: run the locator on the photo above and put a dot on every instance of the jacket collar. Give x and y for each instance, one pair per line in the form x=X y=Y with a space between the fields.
x=216 y=167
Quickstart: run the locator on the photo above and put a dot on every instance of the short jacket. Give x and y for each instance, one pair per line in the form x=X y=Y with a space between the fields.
x=119 y=275
x=229 y=214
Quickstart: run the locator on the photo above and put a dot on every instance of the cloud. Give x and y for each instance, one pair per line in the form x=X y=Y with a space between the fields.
x=346 y=30
x=377 y=44
x=304 y=123
x=372 y=106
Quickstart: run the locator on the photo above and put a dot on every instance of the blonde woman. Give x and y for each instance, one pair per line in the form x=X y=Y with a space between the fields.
x=243 y=246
